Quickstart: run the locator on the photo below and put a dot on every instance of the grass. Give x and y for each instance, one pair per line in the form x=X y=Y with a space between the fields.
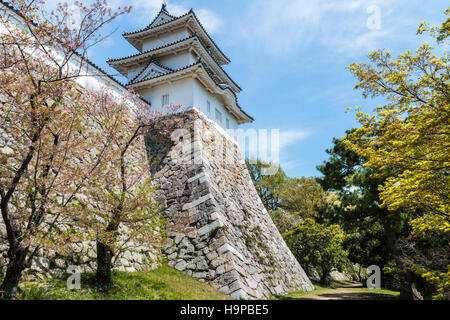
x=163 y=283
x=342 y=290
x=166 y=283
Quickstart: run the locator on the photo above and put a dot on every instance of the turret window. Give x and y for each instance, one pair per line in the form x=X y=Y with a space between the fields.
x=218 y=116
x=165 y=100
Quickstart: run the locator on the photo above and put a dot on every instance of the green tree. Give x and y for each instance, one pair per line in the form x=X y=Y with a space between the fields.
x=299 y=196
x=374 y=232
x=302 y=197
x=284 y=220
x=405 y=142
x=116 y=208
x=268 y=186
x=318 y=247
x=43 y=135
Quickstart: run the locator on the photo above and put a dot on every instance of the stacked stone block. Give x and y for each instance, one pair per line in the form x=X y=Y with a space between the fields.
x=221 y=231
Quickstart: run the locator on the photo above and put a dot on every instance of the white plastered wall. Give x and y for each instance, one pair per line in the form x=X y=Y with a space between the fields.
x=180 y=93
x=178 y=61
x=89 y=77
x=189 y=93
x=201 y=98
x=165 y=40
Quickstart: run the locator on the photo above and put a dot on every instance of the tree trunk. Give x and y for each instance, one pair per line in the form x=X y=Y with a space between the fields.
x=16 y=265
x=104 y=265
x=325 y=277
x=408 y=289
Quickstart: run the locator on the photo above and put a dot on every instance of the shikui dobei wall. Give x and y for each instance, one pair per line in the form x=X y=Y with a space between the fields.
x=224 y=233
x=82 y=257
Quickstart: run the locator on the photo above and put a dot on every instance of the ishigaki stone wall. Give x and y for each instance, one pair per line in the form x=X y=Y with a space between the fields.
x=221 y=231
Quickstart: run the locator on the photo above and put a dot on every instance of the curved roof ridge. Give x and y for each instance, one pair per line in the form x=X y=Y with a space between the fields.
x=191 y=11
x=234 y=93
x=173 y=71
x=163 y=10
x=218 y=64
x=148 y=51
x=195 y=35
x=154 y=61
x=202 y=64
x=149 y=27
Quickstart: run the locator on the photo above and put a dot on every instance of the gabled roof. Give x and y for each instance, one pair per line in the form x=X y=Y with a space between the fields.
x=162 y=17
x=153 y=69
x=137 y=81
x=188 y=18
x=183 y=43
x=145 y=54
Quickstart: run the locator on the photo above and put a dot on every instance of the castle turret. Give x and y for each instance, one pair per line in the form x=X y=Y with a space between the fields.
x=180 y=64
x=219 y=229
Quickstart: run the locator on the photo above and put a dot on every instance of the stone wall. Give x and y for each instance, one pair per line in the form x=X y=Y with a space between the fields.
x=219 y=229
x=223 y=232
x=131 y=257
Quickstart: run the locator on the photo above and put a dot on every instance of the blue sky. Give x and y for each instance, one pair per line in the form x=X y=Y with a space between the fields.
x=290 y=58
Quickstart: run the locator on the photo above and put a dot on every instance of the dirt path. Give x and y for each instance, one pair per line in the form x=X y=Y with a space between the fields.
x=348 y=292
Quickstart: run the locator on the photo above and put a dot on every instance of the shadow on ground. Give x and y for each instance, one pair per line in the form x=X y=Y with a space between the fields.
x=344 y=291
x=349 y=296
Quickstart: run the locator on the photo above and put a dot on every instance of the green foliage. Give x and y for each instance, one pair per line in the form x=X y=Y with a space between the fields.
x=284 y=220
x=299 y=196
x=268 y=186
x=318 y=247
x=441 y=280
x=292 y=200
x=440 y=33
x=406 y=140
x=163 y=283
x=405 y=143
x=355 y=206
x=430 y=260
x=302 y=197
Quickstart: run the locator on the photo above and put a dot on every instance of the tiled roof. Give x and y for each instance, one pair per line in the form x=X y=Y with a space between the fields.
x=234 y=93
x=174 y=43
x=154 y=62
x=173 y=71
x=149 y=27
x=163 y=10
x=6 y=4
x=145 y=52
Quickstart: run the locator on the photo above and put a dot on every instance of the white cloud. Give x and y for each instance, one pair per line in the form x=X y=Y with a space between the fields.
x=147 y=10
x=280 y=26
x=290 y=164
x=209 y=20
x=288 y=138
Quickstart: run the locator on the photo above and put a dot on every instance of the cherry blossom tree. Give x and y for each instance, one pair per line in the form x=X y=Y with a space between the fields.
x=73 y=166
x=43 y=135
x=117 y=205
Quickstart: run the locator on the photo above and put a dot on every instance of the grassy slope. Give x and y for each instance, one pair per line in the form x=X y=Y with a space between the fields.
x=166 y=283
x=163 y=283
